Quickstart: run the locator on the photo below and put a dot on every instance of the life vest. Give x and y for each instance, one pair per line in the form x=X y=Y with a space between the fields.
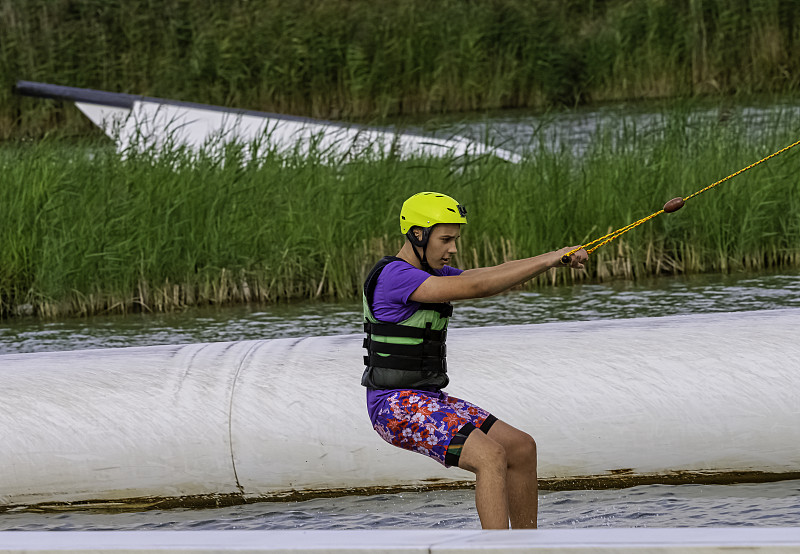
x=409 y=354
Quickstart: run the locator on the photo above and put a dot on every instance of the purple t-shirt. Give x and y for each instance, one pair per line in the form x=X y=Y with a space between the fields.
x=396 y=283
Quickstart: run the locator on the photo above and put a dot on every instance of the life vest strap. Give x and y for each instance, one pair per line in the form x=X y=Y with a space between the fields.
x=435 y=365
x=404 y=331
x=426 y=349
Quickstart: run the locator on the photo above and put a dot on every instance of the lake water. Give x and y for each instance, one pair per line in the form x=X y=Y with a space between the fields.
x=771 y=504
x=620 y=299
x=575 y=130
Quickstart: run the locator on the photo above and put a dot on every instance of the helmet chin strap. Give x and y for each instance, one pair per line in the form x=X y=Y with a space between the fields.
x=422 y=243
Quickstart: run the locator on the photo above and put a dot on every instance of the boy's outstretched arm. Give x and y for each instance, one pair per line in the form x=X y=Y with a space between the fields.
x=487 y=281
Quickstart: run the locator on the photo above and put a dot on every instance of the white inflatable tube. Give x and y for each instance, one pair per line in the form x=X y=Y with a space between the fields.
x=642 y=400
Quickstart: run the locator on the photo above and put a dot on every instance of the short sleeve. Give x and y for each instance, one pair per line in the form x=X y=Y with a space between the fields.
x=396 y=283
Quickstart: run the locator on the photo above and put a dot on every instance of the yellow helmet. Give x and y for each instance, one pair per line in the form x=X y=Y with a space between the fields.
x=426 y=209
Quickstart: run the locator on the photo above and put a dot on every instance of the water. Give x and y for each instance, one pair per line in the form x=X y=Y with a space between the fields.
x=772 y=504
x=575 y=130
x=653 y=298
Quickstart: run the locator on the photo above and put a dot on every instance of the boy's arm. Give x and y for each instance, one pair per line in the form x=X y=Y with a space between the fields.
x=487 y=281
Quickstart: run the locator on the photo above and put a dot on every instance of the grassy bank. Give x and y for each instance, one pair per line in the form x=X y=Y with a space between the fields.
x=368 y=58
x=86 y=232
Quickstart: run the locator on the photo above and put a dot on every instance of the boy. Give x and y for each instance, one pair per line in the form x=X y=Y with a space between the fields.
x=406 y=310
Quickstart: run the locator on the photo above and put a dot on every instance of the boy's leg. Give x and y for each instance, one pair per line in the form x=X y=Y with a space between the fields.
x=487 y=460
x=521 y=481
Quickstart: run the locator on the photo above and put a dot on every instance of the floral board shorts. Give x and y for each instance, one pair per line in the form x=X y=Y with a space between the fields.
x=431 y=423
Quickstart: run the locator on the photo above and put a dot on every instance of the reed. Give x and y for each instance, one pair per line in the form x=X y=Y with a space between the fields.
x=84 y=231
x=367 y=59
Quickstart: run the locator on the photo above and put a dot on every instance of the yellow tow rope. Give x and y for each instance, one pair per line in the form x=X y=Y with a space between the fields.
x=672 y=206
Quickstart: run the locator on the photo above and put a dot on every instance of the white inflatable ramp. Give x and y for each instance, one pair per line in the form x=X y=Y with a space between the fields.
x=141 y=123
x=411 y=541
x=702 y=399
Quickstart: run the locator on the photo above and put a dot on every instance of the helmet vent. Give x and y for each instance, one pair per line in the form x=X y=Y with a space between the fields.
x=452 y=210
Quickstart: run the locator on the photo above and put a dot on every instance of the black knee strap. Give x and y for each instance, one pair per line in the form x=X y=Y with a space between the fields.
x=487 y=423
x=453 y=453
x=456 y=444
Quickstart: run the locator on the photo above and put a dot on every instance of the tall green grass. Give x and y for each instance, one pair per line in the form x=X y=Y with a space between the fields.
x=84 y=231
x=372 y=58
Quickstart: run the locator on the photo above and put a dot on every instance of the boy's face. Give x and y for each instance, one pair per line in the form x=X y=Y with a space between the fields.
x=442 y=244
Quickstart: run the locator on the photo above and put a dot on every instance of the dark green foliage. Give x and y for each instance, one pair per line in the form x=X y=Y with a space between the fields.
x=372 y=58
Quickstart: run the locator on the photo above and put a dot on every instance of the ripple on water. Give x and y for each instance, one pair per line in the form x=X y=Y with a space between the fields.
x=617 y=300
x=766 y=504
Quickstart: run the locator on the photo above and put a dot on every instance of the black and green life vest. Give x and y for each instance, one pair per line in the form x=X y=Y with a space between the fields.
x=409 y=354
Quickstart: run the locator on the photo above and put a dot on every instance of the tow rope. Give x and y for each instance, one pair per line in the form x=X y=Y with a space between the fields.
x=672 y=206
